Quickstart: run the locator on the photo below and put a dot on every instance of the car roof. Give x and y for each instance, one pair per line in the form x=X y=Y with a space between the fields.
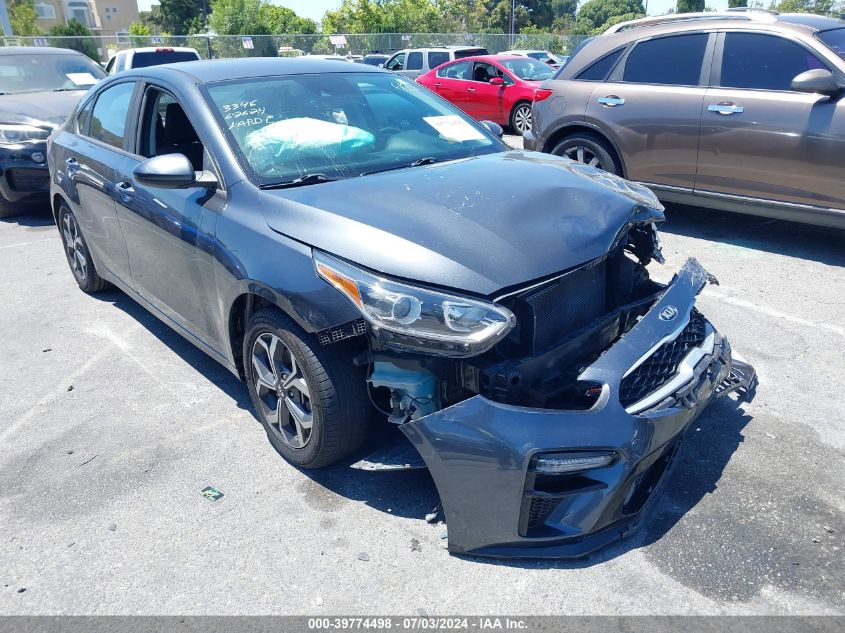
x=203 y=71
x=37 y=50
x=656 y=25
x=155 y=49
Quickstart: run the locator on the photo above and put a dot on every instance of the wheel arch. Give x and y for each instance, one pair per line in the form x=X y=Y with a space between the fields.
x=586 y=128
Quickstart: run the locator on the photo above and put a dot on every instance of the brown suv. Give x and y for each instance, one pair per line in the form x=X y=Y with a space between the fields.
x=735 y=111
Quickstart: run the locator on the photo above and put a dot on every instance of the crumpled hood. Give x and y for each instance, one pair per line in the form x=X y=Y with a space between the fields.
x=478 y=225
x=42 y=109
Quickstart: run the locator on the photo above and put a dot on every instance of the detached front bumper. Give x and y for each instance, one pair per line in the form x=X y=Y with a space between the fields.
x=22 y=178
x=483 y=455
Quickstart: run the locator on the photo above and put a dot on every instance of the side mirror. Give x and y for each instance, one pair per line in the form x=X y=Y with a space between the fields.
x=497 y=81
x=381 y=65
x=169 y=171
x=818 y=81
x=493 y=128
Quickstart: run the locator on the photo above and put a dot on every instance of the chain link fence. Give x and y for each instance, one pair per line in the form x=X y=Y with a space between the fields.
x=102 y=48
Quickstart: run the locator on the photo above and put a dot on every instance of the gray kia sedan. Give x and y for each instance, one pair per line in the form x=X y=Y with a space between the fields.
x=337 y=236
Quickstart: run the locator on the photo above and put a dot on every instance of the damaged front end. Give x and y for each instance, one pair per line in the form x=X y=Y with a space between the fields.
x=550 y=418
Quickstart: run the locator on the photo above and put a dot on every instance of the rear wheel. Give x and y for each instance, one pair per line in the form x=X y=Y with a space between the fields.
x=590 y=150
x=78 y=256
x=521 y=117
x=310 y=399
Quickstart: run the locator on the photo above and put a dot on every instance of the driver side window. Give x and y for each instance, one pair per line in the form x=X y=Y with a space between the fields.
x=166 y=129
x=397 y=62
x=485 y=72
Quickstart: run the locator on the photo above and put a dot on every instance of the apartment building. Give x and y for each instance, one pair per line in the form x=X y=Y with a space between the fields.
x=103 y=17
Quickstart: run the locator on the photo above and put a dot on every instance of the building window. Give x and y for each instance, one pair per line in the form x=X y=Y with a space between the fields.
x=45 y=11
x=80 y=11
x=122 y=37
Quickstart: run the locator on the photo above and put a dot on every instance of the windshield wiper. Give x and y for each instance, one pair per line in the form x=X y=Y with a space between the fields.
x=428 y=160
x=307 y=179
x=77 y=89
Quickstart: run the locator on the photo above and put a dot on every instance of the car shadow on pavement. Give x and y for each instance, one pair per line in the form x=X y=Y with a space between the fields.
x=705 y=451
x=196 y=358
x=817 y=243
x=34 y=219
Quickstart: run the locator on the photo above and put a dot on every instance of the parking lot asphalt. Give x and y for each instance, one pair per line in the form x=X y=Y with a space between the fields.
x=111 y=424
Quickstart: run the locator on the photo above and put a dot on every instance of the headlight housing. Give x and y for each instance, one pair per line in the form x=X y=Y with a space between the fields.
x=14 y=133
x=409 y=318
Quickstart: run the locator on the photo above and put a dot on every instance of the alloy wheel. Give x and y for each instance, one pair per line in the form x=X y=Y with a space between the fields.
x=74 y=247
x=283 y=393
x=522 y=119
x=583 y=154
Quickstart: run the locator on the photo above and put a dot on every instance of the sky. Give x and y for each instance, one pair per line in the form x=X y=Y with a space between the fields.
x=315 y=9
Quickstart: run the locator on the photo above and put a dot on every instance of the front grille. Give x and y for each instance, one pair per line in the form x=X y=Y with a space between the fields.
x=540 y=509
x=661 y=366
x=29 y=179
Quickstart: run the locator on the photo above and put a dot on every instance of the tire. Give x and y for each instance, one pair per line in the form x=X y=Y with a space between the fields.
x=9 y=209
x=520 y=120
x=333 y=400
x=78 y=257
x=591 y=149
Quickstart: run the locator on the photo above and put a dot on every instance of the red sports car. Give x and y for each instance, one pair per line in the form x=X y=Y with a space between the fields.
x=492 y=87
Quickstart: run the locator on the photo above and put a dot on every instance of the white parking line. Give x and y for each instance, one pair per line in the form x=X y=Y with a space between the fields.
x=19 y=244
x=750 y=305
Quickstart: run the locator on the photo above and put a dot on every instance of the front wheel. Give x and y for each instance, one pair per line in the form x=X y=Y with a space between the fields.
x=521 y=117
x=588 y=149
x=311 y=399
x=78 y=256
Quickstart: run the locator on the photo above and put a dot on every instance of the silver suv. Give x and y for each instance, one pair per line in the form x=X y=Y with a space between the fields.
x=413 y=62
x=733 y=111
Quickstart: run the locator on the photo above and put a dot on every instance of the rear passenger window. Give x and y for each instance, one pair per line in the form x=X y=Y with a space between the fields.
x=83 y=117
x=672 y=61
x=764 y=62
x=460 y=70
x=601 y=69
x=435 y=59
x=415 y=61
x=108 y=119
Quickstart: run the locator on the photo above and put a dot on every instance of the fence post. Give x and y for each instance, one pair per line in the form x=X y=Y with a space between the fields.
x=208 y=45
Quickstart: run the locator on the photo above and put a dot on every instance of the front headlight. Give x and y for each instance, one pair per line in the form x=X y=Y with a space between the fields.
x=13 y=133
x=415 y=318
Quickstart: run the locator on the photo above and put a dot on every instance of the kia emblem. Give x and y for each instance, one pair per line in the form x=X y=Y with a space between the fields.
x=668 y=313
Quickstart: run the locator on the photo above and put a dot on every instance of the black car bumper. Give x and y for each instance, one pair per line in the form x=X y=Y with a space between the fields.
x=483 y=455
x=22 y=178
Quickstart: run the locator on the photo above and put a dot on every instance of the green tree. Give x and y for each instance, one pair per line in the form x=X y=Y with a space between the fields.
x=139 y=34
x=733 y=4
x=283 y=20
x=78 y=37
x=690 y=6
x=822 y=7
x=180 y=17
x=241 y=17
x=596 y=15
x=23 y=17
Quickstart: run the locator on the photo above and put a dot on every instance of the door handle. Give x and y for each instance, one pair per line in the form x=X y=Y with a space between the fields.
x=125 y=190
x=726 y=108
x=437 y=85
x=470 y=89
x=611 y=101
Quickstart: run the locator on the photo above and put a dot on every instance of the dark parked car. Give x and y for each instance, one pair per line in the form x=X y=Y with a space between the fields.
x=740 y=111
x=39 y=87
x=336 y=235
x=375 y=59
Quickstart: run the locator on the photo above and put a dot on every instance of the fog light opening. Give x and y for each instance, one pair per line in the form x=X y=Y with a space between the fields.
x=37 y=157
x=564 y=463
